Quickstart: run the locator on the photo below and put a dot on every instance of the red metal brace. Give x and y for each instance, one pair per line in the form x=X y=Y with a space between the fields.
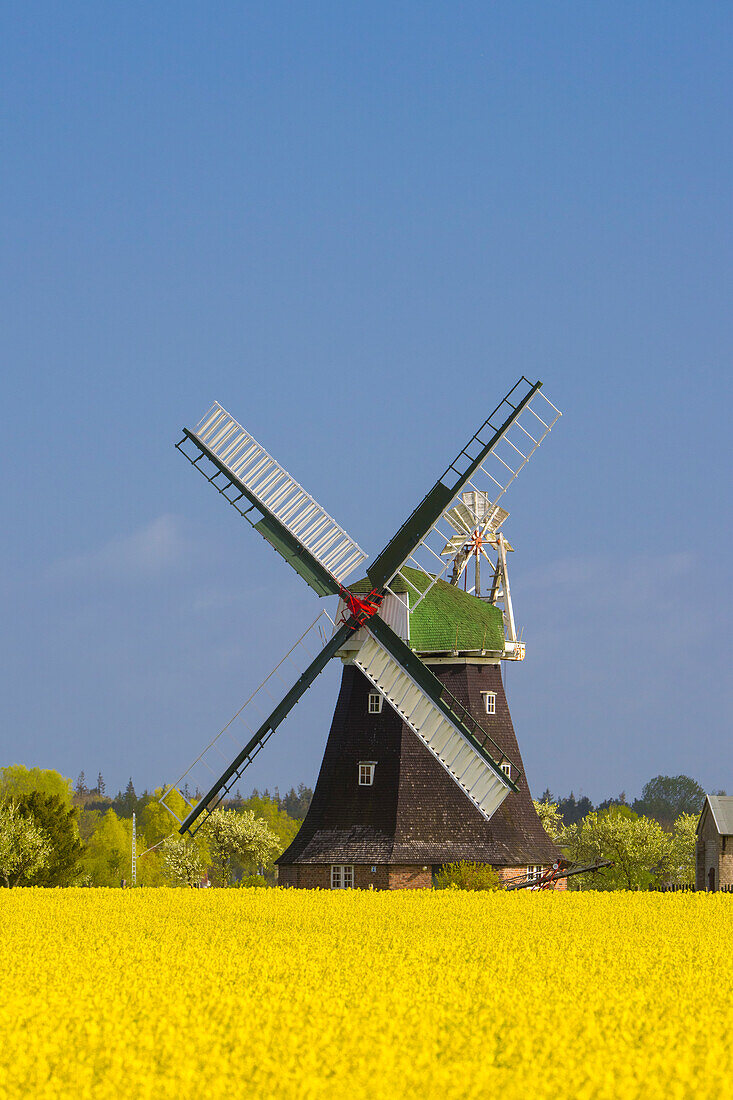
x=549 y=876
x=359 y=609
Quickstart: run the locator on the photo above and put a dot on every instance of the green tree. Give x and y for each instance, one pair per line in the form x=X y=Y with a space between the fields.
x=88 y=822
x=680 y=862
x=24 y=847
x=571 y=810
x=16 y=781
x=107 y=856
x=182 y=861
x=158 y=822
x=665 y=797
x=128 y=803
x=296 y=803
x=159 y=825
x=238 y=841
x=465 y=875
x=59 y=824
x=551 y=818
x=280 y=824
x=638 y=847
x=612 y=802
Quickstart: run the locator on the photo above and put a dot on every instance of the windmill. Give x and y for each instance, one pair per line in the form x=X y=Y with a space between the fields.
x=394 y=631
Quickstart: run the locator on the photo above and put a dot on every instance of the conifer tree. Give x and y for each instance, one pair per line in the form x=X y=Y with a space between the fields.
x=129 y=799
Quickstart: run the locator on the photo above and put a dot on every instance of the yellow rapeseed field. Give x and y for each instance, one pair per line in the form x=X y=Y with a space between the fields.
x=276 y=993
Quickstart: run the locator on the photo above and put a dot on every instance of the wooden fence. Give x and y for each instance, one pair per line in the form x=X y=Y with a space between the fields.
x=677 y=888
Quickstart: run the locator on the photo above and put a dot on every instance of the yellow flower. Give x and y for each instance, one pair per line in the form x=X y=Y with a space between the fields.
x=292 y=994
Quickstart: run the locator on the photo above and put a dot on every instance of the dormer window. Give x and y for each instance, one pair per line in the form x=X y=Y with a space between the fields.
x=366 y=772
x=489 y=701
x=375 y=702
x=507 y=769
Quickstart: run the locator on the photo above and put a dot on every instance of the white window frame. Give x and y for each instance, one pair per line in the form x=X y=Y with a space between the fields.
x=489 y=701
x=375 y=702
x=342 y=876
x=366 y=772
x=507 y=769
x=535 y=872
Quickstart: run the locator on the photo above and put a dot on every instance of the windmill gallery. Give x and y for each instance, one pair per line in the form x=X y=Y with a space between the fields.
x=435 y=775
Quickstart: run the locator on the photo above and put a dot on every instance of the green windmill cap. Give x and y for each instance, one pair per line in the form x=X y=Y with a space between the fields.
x=447 y=619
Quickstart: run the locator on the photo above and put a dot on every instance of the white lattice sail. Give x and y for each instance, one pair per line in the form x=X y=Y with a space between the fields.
x=485 y=473
x=278 y=493
x=484 y=784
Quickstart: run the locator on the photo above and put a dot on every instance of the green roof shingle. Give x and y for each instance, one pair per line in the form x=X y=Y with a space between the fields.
x=447 y=618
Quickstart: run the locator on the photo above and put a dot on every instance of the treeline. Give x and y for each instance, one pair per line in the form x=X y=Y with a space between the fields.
x=649 y=842
x=663 y=799
x=55 y=833
x=125 y=803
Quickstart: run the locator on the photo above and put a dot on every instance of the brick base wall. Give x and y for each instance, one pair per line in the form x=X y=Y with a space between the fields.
x=317 y=876
x=410 y=878
x=509 y=874
x=287 y=876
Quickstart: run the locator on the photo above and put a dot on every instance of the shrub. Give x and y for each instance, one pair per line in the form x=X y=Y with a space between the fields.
x=467 y=876
x=25 y=848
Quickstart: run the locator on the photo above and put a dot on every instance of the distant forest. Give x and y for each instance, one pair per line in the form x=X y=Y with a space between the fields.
x=125 y=803
x=663 y=798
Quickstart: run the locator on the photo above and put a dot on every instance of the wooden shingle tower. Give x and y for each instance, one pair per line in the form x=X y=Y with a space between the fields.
x=422 y=766
x=385 y=812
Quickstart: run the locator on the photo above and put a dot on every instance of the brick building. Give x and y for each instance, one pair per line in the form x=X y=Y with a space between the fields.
x=714 y=845
x=385 y=812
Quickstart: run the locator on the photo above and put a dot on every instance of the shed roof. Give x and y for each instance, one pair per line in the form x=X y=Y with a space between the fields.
x=447 y=619
x=721 y=807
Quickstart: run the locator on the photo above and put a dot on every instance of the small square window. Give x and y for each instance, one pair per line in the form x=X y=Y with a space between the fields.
x=375 y=702
x=534 y=873
x=489 y=701
x=342 y=876
x=507 y=769
x=366 y=772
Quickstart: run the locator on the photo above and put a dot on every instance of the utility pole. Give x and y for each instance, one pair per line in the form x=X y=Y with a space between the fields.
x=133 y=860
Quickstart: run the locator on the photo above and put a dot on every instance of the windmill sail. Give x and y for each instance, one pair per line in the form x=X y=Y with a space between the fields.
x=468 y=754
x=286 y=515
x=486 y=467
x=265 y=494
x=259 y=719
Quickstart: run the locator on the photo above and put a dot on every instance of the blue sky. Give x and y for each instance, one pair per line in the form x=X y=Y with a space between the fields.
x=355 y=226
